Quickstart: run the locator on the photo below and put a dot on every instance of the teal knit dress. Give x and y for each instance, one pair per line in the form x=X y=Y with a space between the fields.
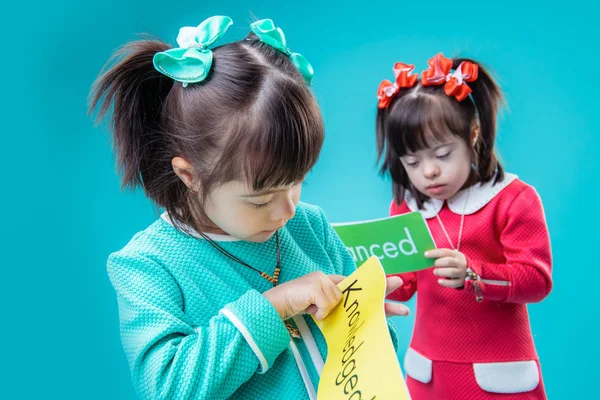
x=194 y=324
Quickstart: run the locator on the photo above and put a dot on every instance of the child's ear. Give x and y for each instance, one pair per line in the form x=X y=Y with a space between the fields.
x=474 y=133
x=184 y=170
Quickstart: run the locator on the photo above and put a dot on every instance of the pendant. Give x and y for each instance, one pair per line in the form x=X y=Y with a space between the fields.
x=294 y=332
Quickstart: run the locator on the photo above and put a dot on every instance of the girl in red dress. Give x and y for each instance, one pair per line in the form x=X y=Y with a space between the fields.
x=472 y=338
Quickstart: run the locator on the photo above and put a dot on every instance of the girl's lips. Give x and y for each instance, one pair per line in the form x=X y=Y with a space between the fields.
x=436 y=189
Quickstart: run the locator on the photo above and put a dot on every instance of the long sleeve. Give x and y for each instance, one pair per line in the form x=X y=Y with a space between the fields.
x=169 y=357
x=525 y=277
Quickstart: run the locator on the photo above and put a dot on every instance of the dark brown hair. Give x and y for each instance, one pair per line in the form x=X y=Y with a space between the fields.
x=423 y=113
x=252 y=118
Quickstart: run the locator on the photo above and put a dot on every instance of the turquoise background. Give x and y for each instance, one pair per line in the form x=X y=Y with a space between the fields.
x=63 y=212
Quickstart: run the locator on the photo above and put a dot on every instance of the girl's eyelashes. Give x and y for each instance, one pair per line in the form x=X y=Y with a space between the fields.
x=410 y=162
x=262 y=202
x=261 y=205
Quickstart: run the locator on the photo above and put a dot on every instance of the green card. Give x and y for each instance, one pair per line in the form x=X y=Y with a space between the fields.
x=399 y=242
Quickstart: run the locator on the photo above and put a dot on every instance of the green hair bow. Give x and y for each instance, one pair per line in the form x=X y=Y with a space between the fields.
x=268 y=33
x=191 y=61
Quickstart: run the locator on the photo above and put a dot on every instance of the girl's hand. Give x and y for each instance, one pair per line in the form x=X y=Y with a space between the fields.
x=315 y=293
x=391 y=308
x=318 y=294
x=451 y=265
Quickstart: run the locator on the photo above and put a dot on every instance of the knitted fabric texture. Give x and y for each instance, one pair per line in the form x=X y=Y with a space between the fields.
x=194 y=324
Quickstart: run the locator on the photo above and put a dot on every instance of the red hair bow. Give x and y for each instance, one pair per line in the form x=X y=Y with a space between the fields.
x=388 y=90
x=439 y=69
x=456 y=86
x=439 y=73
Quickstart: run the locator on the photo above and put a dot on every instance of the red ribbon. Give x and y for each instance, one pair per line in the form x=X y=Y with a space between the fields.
x=388 y=90
x=456 y=86
x=454 y=83
x=439 y=68
x=438 y=73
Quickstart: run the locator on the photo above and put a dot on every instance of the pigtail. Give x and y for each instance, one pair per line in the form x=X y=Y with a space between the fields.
x=488 y=98
x=381 y=140
x=136 y=91
x=390 y=161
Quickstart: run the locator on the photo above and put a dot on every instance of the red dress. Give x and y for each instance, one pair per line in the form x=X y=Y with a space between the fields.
x=469 y=350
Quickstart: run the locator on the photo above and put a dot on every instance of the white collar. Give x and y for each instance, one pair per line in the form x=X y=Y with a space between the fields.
x=478 y=196
x=192 y=232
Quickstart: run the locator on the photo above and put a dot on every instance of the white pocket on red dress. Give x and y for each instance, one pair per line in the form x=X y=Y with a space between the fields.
x=507 y=377
x=417 y=366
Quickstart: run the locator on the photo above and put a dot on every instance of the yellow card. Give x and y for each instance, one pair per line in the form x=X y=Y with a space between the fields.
x=361 y=360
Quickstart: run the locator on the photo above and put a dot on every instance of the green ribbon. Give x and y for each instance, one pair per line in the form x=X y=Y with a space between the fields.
x=191 y=61
x=268 y=33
